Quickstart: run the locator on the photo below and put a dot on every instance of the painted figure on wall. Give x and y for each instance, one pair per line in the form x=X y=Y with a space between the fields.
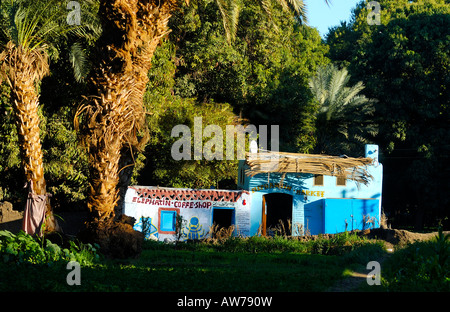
x=145 y=226
x=194 y=229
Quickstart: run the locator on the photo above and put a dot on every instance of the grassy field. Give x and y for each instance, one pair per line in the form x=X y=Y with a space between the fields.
x=243 y=265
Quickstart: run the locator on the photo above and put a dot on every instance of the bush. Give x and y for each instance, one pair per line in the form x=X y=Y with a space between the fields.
x=422 y=266
x=24 y=248
x=256 y=244
x=337 y=244
x=365 y=253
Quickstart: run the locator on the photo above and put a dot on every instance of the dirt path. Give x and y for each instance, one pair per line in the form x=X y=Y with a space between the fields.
x=357 y=277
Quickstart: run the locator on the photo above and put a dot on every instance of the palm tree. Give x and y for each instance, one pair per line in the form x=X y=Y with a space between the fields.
x=343 y=117
x=113 y=117
x=27 y=43
x=230 y=9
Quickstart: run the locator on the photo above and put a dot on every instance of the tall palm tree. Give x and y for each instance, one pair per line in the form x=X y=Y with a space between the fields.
x=230 y=9
x=27 y=43
x=343 y=117
x=113 y=116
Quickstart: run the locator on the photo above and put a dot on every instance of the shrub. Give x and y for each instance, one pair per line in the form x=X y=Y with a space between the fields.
x=365 y=253
x=337 y=244
x=23 y=248
x=422 y=266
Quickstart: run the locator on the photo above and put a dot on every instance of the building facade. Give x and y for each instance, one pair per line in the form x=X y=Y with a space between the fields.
x=314 y=204
x=156 y=211
x=305 y=203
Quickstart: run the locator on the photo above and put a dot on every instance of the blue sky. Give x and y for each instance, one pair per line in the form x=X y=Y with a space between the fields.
x=322 y=16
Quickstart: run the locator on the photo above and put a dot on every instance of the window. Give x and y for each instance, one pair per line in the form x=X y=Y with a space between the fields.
x=318 y=180
x=167 y=220
x=341 y=181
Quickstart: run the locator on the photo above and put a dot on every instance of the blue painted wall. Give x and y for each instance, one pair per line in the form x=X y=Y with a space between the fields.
x=319 y=209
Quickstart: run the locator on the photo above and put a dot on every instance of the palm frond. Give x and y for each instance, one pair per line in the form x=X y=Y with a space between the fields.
x=298 y=6
x=344 y=116
x=79 y=61
x=229 y=9
x=33 y=26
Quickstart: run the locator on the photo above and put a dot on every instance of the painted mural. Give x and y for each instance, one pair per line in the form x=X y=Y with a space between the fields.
x=196 y=207
x=194 y=230
x=145 y=225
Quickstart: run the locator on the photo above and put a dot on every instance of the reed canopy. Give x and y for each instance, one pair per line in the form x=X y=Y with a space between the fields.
x=340 y=166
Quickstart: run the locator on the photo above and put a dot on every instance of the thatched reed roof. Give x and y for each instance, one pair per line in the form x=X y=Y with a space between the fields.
x=342 y=166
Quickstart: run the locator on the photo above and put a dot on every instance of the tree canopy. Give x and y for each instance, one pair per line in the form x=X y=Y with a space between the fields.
x=263 y=74
x=404 y=63
x=390 y=88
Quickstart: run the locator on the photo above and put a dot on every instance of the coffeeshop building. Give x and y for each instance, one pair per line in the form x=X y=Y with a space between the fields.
x=299 y=194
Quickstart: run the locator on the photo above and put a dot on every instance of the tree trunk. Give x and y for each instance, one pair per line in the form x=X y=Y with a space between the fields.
x=127 y=165
x=132 y=31
x=115 y=113
x=23 y=70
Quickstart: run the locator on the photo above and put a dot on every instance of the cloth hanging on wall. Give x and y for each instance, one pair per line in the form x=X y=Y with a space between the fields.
x=34 y=214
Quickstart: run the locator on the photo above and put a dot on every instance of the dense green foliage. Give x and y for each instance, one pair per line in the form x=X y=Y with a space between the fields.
x=9 y=149
x=423 y=266
x=22 y=248
x=404 y=64
x=262 y=77
x=263 y=74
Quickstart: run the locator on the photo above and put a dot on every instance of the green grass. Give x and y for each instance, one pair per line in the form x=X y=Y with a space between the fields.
x=181 y=270
x=252 y=264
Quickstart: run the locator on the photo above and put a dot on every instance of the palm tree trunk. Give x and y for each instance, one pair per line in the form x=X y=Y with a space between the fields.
x=25 y=102
x=109 y=124
x=23 y=70
x=115 y=114
x=132 y=31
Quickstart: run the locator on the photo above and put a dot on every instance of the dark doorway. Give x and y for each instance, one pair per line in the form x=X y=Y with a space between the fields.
x=278 y=206
x=223 y=217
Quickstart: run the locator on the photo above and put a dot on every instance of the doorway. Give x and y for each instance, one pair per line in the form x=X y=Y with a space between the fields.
x=223 y=217
x=276 y=207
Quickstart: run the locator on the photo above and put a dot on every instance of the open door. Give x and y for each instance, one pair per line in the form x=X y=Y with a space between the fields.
x=276 y=207
x=264 y=217
x=223 y=217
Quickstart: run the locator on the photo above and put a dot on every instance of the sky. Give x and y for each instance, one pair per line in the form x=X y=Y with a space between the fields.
x=322 y=16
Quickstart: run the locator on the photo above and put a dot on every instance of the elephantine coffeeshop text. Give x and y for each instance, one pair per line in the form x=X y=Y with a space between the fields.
x=174 y=203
